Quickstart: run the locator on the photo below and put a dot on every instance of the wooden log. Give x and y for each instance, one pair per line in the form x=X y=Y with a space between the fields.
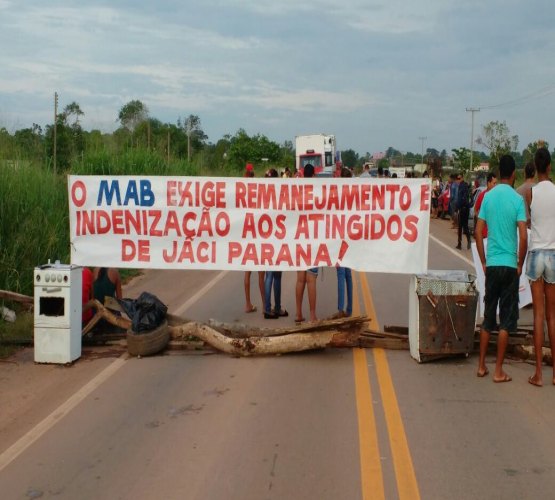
x=103 y=313
x=384 y=343
x=257 y=346
x=17 y=297
x=240 y=330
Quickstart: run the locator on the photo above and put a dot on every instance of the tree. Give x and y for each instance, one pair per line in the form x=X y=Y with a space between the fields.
x=349 y=158
x=30 y=141
x=392 y=152
x=195 y=135
x=243 y=149
x=462 y=160
x=72 y=110
x=497 y=140
x=530 y=151
x=383 y=162
x=131 y=114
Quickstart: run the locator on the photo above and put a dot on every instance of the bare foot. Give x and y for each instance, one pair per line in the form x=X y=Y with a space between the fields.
x=535 y=380
x=482 y=372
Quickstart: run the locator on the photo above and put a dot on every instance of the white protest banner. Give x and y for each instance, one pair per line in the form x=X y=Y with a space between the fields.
x=377 y=225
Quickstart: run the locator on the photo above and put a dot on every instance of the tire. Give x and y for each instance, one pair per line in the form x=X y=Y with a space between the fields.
x=148 y=343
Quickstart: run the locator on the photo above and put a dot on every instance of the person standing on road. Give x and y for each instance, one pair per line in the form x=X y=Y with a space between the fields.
x=540 y=265
x=344 y=281
x=106 y=283
x=491 y=182
x=525 y=188
x=249 y=306
x=306 y=279
x=273 y=279
x=453 y=193
x=503 y=211
x=365 y=170
x=463 y=205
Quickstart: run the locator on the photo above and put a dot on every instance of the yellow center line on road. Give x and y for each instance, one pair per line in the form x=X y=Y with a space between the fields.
x=407 y=485
x=370 y=463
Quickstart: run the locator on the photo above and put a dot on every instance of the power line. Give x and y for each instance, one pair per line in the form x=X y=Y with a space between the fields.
x=550 y=89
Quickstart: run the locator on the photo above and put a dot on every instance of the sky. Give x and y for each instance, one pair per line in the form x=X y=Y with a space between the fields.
x=373 y=73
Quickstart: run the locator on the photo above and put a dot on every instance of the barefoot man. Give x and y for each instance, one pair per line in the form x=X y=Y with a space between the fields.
x=504 y=213
x=540 y=265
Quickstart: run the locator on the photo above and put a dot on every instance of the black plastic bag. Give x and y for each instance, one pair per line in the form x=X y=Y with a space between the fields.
x=146 y=313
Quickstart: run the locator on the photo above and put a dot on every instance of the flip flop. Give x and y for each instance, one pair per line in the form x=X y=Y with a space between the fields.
x=505 y=378
x=486 y=372
x=252 y=310
x=297 y=320
x=532 y=381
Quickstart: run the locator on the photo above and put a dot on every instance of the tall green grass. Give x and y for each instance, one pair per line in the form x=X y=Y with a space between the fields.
x=34 y=216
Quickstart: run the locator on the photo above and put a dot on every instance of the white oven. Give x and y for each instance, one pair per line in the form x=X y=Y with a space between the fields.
x=58 y=307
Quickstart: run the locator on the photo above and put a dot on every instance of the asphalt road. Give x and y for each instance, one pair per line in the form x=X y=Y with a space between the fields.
x=333 y=424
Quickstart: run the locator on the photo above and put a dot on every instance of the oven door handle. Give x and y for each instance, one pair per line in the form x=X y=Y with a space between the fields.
x=52 y=290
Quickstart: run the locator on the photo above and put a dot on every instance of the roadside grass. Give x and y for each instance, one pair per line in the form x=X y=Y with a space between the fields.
x=34 y=219
x=14 y=335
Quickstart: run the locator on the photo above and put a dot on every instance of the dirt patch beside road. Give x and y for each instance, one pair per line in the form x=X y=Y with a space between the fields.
x=30 y=391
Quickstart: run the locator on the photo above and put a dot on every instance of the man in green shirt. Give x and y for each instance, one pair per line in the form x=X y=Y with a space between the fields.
x=504 y=213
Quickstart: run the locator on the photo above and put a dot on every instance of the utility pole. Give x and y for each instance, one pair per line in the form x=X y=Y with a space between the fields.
x=422 y=156
x=472 y=110
x=55 y=127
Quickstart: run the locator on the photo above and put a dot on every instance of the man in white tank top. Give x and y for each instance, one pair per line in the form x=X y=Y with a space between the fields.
x=540 y=267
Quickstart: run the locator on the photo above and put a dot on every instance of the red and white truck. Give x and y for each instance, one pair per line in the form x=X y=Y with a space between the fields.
x=319 y=150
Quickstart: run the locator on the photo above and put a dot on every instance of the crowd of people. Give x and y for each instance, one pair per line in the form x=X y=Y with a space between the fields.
x=519 y=225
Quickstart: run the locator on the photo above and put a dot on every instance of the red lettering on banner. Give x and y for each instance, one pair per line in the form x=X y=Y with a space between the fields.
x=392 y=189
x=378 y=196
x=103 y=223
x=249 y=227
x=411 y=225
x=322 y=256
x=265 y=226
x=203 y=252
x=302 y=227
x=394 y=227
x=207 y=194
x=405 y=198
x=154 y=231
x=284 y=256
x=266 y=254
x=377 y=227
x=205 y=225
x=78 y=193
x=234 y=251
x=117 y=222
x=281 y=232
x=172 y=224
x=139 y=251
x=425 y=198
x=240 y=195
x=315 y=219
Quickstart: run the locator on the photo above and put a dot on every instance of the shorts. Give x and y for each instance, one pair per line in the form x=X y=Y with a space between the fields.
x=541 y=264
x=313 y=270
x=502 y=288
